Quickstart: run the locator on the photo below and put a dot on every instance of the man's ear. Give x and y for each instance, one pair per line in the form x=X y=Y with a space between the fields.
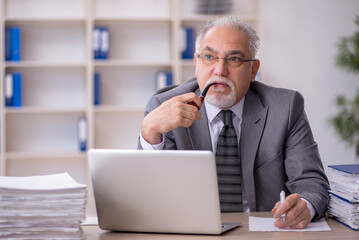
x=195 y=58
x=255 y=67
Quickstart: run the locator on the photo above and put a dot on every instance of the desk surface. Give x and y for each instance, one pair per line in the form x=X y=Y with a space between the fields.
x=339 y=232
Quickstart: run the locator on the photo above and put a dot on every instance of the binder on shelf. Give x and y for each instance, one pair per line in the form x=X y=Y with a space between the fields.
x=17 y=89
x=188 y=42
x=13 y=89
x=214 y=6
x=96 y=42
x=101 y=42
x=163 y=79
x=7 y=44
x=82 y=133
x=97 y=88
x=8 y=90
x=13 y=44
x=105 y=42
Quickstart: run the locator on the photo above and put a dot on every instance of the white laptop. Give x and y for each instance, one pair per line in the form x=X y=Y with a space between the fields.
x=156 y=191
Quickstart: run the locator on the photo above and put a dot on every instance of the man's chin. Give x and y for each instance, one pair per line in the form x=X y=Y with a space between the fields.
x=220 y=100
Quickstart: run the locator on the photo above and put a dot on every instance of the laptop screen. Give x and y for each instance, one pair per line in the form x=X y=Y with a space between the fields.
x=156 y=191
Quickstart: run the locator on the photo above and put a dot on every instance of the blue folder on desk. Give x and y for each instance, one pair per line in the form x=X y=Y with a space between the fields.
x=347 y=168
x=344 y=202
x=339 y=219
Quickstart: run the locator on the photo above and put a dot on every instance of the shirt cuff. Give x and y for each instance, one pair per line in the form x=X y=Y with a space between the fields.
x=147 y=146
x=311 y=208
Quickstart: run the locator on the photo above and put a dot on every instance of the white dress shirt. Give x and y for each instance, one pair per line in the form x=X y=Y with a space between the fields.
x=215 y=127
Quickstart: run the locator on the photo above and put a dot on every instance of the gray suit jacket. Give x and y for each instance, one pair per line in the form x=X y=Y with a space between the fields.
x=277 y=149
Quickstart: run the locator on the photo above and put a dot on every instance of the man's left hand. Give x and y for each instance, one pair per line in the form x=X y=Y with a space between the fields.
x=297 y=212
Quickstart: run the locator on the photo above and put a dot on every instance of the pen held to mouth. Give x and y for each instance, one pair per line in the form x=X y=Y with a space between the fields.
x=202 y=95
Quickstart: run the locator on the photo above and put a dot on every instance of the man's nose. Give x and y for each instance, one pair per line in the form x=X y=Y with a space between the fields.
x=220 y=67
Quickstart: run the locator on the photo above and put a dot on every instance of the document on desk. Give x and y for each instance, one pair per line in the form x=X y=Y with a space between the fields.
x=42 y=207
x=260 y=224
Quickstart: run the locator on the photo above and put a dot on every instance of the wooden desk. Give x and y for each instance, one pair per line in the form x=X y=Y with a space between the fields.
x=339 y=232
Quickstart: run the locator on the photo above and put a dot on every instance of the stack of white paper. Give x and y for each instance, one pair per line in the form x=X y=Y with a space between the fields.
x=344 y=200
x=42 y=207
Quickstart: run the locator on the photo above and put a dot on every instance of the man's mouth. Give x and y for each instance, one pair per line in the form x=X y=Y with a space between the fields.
x=221 y=85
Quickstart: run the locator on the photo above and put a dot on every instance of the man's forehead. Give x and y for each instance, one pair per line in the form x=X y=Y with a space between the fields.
x=227 y=31
x=219 y=39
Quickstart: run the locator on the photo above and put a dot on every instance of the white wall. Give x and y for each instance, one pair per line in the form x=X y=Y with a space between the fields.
x=299 y=40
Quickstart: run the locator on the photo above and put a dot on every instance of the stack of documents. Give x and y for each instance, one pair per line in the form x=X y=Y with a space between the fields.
x=344 y=194
x=41 y=207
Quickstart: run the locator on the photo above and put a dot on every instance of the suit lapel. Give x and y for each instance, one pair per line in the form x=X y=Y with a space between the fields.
x=198 y=133
x=253 y=122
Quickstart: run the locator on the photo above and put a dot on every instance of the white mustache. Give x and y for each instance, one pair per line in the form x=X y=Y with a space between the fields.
x=222 y=80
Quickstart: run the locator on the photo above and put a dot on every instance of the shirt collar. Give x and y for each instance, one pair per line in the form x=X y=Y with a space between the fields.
x=212 y=111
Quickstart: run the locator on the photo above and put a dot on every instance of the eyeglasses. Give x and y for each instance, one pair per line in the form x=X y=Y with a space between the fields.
x=209 y=59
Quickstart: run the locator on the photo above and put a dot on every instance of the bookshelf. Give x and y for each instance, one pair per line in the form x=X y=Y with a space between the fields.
x=57 y=70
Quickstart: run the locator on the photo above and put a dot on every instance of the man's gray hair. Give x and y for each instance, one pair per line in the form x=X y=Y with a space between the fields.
x=234 y=23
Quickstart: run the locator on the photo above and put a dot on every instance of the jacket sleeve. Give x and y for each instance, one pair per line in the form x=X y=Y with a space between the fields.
x=168 y=137
x=303 y=165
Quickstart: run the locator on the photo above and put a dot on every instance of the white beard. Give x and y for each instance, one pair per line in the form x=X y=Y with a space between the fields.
x=221 y=100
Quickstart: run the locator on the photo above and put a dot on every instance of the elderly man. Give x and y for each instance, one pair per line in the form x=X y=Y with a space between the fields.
x=260 y=134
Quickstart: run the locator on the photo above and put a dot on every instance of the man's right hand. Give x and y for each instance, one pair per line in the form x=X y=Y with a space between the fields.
x=174 y=113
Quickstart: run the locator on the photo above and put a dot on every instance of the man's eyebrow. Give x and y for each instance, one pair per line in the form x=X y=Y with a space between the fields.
x=207 y=48
x=232 y=52
x=235 y=52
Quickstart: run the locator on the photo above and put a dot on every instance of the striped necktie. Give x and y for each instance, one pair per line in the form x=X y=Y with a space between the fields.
x=228 y=166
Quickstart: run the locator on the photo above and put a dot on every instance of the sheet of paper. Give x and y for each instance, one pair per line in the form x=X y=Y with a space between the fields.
x=44 y=182
x=90 y=221
x=260 y=224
